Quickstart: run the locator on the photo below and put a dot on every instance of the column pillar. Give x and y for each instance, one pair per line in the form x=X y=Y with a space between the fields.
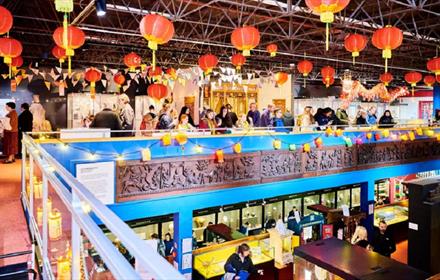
x=367 y=205
x=183 y=241
x=436 y=98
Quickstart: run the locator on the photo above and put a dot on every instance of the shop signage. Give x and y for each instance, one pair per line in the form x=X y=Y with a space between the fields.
x=158 y=177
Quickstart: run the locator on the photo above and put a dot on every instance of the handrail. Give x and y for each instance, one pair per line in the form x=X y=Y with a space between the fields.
x=158 y=267
x=15 y=254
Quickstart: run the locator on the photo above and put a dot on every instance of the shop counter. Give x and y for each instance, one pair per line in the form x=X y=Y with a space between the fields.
x=209 y=261
x=391 y=214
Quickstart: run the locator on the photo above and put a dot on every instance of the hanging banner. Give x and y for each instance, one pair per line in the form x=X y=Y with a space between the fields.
x=18 y=80
x=47 y=85
x=13 y=86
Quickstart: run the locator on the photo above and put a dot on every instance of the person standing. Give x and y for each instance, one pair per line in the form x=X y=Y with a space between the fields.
x=306 y=118
x=266 y=119
x=278 y=122
x=25 y=122
x=166 y=121
x=38 y=114
x=209 y=122
x=126 y=115
x=386 y=121
x=186 y=111
x=383 y=242
x=225 y=117
x=253 y=116
x=372 y=119
x=107 y=119
x=288 y=120
x=342 y=115
x=169 y=248
x=232 y=115
x=10 y=136
x=239 y=265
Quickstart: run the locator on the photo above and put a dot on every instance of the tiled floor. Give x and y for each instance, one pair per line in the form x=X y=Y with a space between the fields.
x=14 y=235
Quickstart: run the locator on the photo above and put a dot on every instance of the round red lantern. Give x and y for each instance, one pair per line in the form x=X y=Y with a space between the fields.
x=59 y=53
x=281 y=78
x=157 y=30
x=433 y=65
x=413 y=78
x=73 y=40
x=387 y=39
x=326 y=9
x=355 y=43
x=328 y=82
x=119 y=80
x=6 y=20
x=92 y=75
x=245 y=39
x=155 y=72
x=207 y=62
x=272 y=49
x=305 y=67
x=16 y=62
x=429 y=80
x=10 y=48
x=132 y=61
x=386 y=78
x=157 y=91
x=328 y=74
x=238 y=60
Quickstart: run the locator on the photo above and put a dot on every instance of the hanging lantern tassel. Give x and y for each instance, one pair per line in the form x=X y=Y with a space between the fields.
x=348 y=142
x=92 y=88
x=219 y=156
x=153 y=46
x=306 y=148
x=276 y=144
x=237 y=148
x=146 y=154
x=166 y=139
x=386 y=53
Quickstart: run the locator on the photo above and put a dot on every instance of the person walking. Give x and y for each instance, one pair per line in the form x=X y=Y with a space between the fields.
x=25 y=122
x=383 y=242
x=10 y=134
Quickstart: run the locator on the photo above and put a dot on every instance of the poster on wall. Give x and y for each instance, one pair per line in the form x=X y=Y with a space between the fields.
x=327 y=231
x=99 y=179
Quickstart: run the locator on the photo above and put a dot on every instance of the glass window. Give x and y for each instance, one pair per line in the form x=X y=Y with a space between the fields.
x=382 y=192
x=145 y=232
x=230 y=218
x=273 y=210
x=200 y=223
x=328 y=199
x=356 y=197
x=168 y=227
x=253 y=215
x=310 y=200
x=288 y=206
x=343 y=198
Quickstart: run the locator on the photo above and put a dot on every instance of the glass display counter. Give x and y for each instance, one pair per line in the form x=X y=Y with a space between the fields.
x=392 y=214
x=209 y=261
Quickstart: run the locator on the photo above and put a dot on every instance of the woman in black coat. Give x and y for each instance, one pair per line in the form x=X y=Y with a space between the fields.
x=386 y=121
x=240 y=263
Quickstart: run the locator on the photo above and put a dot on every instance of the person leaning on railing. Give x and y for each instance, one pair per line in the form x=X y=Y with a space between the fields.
x=386 y=121
x=209 y=122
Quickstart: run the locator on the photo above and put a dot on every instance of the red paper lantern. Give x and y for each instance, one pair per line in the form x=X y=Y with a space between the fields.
x=238 y=60
x=18 y=62
x=119 y=80
x=386 y=78
x=281 y=78
x=92 y=75
x=157 y=30
x=59 y=53
x=207 y=62
x=157 y=91
x=10 y=48
x=355 y=43
x=328 y=74
x=132 y=61
x=413 y=78
x=305 y=67
x=387 y=39
x=433 y=65
x=75 y=38
x=272 y=49
x=154 y=72
x=245 y=39
x=326 y=9
x=6 y=20
x=429 y=80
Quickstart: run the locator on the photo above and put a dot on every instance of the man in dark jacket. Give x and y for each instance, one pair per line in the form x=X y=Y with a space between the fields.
x=232 y=114
x=107 y=119
x=253 y=116
x=25 y=120
x=383 y=242
x=266 y=119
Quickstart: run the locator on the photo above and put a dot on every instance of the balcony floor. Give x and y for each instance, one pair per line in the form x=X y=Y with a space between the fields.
x=14 y=236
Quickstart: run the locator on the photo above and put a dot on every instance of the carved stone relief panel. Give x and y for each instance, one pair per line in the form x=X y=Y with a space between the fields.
x=280 y=163
x=378 y=153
